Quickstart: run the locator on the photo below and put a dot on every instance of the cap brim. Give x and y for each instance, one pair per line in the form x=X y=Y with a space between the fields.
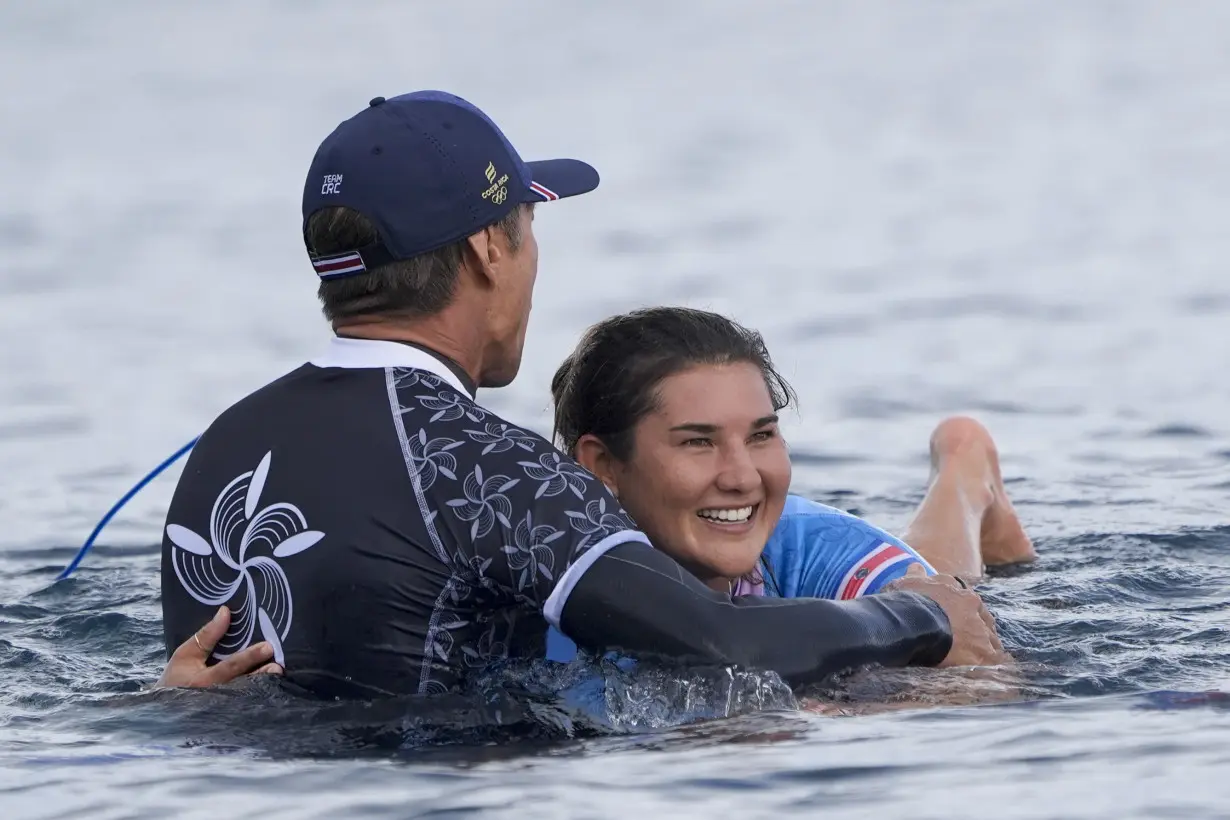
x=558 y=178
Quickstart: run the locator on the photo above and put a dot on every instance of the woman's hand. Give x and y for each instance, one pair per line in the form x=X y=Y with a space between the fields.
x=187 y=666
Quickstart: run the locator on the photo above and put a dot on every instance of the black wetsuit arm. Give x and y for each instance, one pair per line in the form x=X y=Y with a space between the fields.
x=636 y=599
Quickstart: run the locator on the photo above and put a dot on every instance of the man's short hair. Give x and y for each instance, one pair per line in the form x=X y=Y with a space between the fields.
x=409 y=288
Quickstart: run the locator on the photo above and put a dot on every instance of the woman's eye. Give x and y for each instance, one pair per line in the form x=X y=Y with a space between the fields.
x=697 y=442
x=764 y=435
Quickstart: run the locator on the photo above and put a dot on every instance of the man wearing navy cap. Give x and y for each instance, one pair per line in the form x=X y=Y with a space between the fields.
x=386 y=534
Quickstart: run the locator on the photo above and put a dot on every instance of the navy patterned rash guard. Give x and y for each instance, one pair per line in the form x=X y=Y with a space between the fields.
x=387 y=535
x=377 y=520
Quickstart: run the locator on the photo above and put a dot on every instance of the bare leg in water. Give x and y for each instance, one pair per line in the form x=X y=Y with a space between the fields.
x=966 y=521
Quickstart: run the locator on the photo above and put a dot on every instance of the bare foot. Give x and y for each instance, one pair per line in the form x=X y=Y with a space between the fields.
x=962 y=445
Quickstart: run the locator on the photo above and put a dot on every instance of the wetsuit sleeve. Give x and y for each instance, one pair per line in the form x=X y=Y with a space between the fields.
x=636 y=599
x=529 y=519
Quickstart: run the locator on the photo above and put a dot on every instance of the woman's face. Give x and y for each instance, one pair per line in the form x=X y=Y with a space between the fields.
x=709 y=472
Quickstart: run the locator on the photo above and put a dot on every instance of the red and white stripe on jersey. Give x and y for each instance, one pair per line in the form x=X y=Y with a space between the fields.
x=329 y=266
x=543 y=191
x=873 y=565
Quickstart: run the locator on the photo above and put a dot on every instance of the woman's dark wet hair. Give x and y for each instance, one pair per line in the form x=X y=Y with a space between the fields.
x=609 y=383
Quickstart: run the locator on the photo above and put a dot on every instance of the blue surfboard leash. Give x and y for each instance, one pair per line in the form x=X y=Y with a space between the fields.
x=154 y=473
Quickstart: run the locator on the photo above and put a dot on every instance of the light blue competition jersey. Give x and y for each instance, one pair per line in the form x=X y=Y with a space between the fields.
x=815 y=551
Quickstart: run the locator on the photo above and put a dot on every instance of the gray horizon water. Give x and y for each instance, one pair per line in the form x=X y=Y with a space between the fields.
x=1009 y=209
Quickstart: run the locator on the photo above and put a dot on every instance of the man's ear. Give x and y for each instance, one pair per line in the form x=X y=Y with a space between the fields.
x=484 y=254
x=594 y=456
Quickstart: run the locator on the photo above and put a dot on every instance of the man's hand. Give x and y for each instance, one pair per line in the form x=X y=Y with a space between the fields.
x=187 y=666
x=974 y=641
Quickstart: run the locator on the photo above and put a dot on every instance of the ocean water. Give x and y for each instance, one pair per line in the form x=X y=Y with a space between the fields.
x=1010 y=209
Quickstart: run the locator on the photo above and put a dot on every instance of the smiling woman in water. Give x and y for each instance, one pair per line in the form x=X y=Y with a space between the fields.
x=675 y=410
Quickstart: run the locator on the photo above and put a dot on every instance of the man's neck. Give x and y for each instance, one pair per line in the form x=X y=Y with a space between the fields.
x=431 y=336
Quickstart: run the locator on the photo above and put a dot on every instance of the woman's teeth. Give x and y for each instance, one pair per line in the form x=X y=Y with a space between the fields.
x=732 y=515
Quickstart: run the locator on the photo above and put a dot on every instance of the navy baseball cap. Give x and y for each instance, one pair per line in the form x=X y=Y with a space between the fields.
x=428 y=169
